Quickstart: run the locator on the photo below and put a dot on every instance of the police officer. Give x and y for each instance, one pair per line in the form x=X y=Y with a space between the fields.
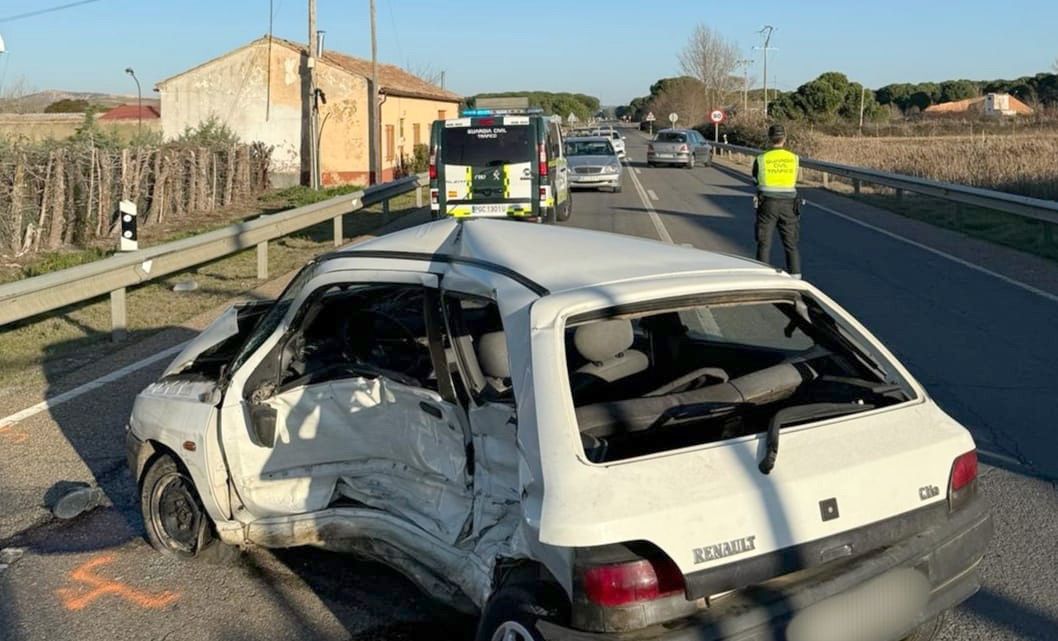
x=775 y=172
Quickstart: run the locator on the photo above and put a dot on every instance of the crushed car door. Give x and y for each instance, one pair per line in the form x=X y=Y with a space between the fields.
x=347 y=409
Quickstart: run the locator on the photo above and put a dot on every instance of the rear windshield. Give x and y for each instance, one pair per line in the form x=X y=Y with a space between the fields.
x=490 y=146
x=589 y=148
x=648 y=382
x=671 y=136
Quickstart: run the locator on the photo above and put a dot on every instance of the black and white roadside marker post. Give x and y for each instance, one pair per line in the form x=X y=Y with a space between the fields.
x=129 y=240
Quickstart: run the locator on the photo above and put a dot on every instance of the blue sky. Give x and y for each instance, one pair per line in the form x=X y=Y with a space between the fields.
x=613 y=49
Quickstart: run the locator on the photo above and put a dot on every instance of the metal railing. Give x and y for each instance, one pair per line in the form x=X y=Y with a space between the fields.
x=1035 y=208
x=33 y=296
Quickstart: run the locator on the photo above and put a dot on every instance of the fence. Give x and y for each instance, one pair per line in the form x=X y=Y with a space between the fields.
x=32 y=296
x=1035 y=208
x=51 y=196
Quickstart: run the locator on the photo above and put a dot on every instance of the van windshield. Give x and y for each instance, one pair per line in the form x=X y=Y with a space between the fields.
x=487 y=146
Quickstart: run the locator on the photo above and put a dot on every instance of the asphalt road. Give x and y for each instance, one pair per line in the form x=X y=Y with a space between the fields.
x=982 y=345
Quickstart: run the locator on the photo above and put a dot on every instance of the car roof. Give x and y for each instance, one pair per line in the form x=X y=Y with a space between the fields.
x=560 y=258
x=588 y=139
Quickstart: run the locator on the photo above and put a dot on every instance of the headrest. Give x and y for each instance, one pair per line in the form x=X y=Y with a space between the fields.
x=492 y=355
x=602 y=340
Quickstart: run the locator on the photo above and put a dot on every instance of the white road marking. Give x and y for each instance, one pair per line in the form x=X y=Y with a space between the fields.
x=652 y=195
x=955 y=259
x=81 y=390
x=637 y=170
x=654 y=218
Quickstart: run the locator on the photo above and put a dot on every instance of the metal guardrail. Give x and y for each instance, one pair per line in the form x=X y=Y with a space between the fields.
x=1035 y=208
x=27 y=298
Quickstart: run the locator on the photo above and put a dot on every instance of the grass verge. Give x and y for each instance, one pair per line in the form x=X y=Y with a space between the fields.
x=69 y=339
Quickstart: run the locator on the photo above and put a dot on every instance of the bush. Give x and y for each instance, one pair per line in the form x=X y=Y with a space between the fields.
x=211 y=133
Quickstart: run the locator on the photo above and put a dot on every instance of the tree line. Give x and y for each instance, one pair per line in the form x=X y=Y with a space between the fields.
x=1040 y=90
x=553 y=103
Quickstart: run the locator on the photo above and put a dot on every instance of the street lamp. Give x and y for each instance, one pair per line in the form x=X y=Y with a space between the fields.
x=139 y=102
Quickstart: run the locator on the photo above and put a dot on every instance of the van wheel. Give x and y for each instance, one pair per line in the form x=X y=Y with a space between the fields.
x=513 y=612
x=567 y=211
x=173 y=516
x=929 y=630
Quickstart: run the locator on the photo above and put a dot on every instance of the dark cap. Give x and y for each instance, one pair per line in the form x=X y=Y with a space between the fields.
x=776 y=131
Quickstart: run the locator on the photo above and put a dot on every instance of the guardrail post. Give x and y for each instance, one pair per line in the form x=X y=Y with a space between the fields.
x=262 y=261
x=826 y=180
x=339 y=231
x=1048 y=234
x=385 y=209
x=857 y=184
x=418 y=196
x=118 y=322
x=900 y=195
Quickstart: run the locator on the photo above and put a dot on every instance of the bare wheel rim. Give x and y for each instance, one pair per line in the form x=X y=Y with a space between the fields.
x=511 y=631
x=175 y=513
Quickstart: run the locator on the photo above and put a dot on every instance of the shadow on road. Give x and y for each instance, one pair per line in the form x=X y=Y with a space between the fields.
x=1025 y=620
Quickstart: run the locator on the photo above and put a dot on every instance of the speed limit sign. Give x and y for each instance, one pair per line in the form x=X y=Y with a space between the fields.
x=716 y=116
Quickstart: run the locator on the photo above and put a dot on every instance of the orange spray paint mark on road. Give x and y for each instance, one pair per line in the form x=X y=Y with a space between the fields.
x=98 y=587
x=9 y=434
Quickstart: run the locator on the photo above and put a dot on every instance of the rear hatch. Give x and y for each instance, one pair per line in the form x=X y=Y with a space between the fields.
x=485 y=166
x=673 y=407
x=670 y=145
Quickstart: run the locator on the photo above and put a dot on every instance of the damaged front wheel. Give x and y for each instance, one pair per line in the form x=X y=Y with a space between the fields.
x=173 y=515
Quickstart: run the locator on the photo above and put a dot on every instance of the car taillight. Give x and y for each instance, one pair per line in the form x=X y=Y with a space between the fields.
x=433 y=163
x=433 y=197
x=683 y=149
x=542 y=158
x=624 y=583
x=962 y=484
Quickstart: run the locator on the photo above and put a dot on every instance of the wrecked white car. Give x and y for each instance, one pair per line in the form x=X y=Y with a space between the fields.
x=577 y=434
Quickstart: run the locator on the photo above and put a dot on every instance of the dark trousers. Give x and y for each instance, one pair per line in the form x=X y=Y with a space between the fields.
x=781 y=212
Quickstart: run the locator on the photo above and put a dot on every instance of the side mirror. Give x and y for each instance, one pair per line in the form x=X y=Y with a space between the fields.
x=263 y=422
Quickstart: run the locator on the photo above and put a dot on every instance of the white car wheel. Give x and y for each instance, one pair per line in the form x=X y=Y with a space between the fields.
x=512 y=631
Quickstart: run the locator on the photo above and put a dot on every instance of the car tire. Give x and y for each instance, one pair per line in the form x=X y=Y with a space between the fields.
x=512 y=613
x=616 y=189
x=173 y=516
x=567 y=211
x=652 y=164
x=929 y=630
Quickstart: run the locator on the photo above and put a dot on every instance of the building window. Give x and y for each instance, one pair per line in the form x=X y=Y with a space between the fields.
x=415 y=135
x=441 y=114
x=389 y=142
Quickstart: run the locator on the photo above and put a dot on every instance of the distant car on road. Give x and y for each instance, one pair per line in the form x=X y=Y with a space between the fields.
x=593 y=163
x=684 y=147
x=616 y=137
x=577 y=435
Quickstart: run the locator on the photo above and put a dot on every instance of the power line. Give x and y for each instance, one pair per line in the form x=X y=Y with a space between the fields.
x=30 y=14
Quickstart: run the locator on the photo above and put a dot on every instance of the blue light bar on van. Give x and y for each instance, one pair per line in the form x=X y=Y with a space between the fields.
x=471 y=113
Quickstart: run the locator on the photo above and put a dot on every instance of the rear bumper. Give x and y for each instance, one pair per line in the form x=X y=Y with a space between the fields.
x=948 y=555
x=671 y=159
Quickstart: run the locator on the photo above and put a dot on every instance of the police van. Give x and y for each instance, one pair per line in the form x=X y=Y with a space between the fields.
x=499 y=163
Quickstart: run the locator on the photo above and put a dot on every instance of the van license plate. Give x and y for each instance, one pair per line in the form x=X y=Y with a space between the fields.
x=665 y=155
x=489 y=210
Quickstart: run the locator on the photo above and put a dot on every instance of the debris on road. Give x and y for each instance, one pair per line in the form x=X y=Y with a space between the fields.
x=76 y=499
x=185 y=286
x=8 y=557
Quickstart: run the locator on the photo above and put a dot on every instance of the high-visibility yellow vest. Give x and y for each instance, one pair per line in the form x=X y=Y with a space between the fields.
x=777 y=172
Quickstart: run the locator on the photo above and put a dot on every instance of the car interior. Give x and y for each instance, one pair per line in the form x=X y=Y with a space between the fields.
x=649 y=382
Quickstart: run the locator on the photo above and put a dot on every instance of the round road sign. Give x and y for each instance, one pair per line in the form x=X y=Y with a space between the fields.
x=717 y=116
x=673 y=118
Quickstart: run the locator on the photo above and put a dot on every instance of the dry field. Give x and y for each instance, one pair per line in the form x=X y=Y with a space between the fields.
x=1019 y=164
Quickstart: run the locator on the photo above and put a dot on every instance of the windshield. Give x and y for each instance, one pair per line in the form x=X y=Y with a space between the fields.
x=589 y=148
x=271 y=320
x=647 y=382
x=671 y=136
x=491 y=146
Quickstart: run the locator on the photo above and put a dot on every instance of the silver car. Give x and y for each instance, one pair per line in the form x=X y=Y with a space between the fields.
x=593 y=163
x=684 y=147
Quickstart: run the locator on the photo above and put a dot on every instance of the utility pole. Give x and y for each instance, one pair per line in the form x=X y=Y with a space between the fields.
x=375 y=142
x=310 y=64
x=863 y=93
x=745 y=63
x=766 y=32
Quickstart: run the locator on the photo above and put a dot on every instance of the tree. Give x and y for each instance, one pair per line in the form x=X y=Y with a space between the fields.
x=11 y=96
x=952 y=90
x=711 y=59
x=685 y=97
x=67 y=106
